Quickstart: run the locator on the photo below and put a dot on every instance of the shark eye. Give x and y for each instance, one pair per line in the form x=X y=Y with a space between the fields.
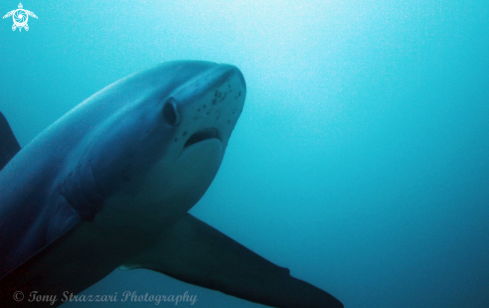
x=170 y=113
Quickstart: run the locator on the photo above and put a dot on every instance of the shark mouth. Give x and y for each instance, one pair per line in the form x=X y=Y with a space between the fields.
x=205 y=134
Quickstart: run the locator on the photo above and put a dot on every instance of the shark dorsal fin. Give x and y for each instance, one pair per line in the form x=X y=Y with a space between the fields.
x=8 y=143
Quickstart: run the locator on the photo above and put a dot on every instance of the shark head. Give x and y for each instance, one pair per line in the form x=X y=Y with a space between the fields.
x=199 y=116
x=163 y=145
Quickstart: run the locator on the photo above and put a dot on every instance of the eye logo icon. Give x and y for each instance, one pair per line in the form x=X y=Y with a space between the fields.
x=20 y=17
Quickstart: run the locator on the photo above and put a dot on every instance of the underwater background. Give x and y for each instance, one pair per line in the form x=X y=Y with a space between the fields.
x=360 y=161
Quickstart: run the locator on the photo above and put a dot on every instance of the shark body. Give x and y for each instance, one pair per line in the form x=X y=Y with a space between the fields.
x=110 y=183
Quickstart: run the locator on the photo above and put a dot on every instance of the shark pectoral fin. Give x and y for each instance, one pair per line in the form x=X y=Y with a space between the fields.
x=8 y=144
x=194 y=252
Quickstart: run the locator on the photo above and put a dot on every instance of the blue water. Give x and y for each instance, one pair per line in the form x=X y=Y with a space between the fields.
x=360 y=161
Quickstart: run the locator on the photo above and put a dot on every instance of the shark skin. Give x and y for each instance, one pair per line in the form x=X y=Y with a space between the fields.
x=110 y=183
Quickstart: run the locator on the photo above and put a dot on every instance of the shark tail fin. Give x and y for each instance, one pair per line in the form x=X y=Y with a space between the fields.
x=194 y=252
x=8 y=143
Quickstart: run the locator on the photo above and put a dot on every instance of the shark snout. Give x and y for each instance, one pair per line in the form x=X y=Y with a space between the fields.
x=209 y=106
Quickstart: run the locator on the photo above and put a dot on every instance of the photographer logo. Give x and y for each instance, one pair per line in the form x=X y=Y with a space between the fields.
x=20 y=17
